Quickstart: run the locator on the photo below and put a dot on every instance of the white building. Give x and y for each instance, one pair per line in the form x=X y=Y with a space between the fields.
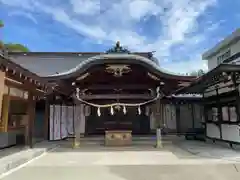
x=226 y=51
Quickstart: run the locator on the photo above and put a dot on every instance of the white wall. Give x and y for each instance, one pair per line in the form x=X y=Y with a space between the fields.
x=212 y=131
x=231 y=132
x=212 y=62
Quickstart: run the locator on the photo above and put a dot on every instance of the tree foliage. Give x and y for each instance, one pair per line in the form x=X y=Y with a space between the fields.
x=16 y=47
x=199 y=72
x=1 y=24
x=12 y=47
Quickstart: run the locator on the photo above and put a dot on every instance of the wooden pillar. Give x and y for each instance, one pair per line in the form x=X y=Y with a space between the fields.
x=237 y=89
x=77 y=124
x=159 y=118
x=205 y=113
x=31 y=118
x=5 y=107
x=46 y=120
x=2 y=84
x=178 y=120
x=193 y=115
x=219 y=110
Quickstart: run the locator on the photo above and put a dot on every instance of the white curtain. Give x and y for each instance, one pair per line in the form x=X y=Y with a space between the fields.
x=64 y=132
x=57 y=122
x=63 y=119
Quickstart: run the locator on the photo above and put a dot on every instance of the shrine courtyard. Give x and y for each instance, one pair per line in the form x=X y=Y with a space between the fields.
x=92 y=161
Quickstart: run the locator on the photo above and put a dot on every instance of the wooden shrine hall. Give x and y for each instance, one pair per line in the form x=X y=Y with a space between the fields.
x=117 y=90
x=20 y=94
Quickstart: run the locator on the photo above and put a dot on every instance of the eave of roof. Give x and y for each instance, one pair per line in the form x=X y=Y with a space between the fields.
x=231 y=39
x=112 y=57
x=195 y=86
x=145 y=54
x=8 y=63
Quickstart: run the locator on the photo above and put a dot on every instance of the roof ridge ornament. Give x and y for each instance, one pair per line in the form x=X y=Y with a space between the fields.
x=118 y=49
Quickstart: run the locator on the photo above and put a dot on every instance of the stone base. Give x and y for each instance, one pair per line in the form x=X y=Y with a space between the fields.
x=158 y=144
x=76 y=143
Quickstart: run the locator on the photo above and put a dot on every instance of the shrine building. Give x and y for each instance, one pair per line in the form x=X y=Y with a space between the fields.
x=64 y=94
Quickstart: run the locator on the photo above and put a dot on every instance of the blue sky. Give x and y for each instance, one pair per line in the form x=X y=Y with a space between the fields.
x=178 y=30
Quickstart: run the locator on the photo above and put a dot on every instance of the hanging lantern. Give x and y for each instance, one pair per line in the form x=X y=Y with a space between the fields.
x=124 y=110
x=139 y=110
x=98 y=111
x=112 y=111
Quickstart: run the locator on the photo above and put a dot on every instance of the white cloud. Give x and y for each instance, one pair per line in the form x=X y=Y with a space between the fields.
x=25 y=4
x=24 y=14
x=107 y=22
x=138 y=9
x=86 y=7
x=188 y=65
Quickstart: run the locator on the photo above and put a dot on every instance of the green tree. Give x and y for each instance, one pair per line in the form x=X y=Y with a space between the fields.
x=1 y=43
x=16 y=47
x=1 y=24
x=199 y=72
x=13 y=47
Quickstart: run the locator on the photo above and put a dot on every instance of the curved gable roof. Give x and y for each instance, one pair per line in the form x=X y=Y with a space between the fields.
x=111 y=58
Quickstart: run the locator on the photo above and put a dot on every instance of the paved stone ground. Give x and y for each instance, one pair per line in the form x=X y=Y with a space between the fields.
x=139 y=162
x=206 y=150
x=13 y=157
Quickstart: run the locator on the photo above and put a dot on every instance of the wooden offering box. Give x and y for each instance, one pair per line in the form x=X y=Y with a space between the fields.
x=118 y=138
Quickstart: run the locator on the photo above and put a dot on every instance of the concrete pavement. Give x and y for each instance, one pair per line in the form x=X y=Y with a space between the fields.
x=94 y=162
x=14 y=158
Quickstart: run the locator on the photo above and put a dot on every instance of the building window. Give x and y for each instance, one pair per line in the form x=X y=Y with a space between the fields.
x=18 y=93
x=232 y=114
x=17 y=113
x=215 y=114
x=225 y=114
x=6 y=89
x=212 y=114
x=223 y=56
x=209 y=115
x=229 y=114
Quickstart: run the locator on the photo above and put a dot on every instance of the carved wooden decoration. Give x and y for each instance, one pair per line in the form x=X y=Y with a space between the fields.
x=83 y=76
x=153 y=76
x=118 y=69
